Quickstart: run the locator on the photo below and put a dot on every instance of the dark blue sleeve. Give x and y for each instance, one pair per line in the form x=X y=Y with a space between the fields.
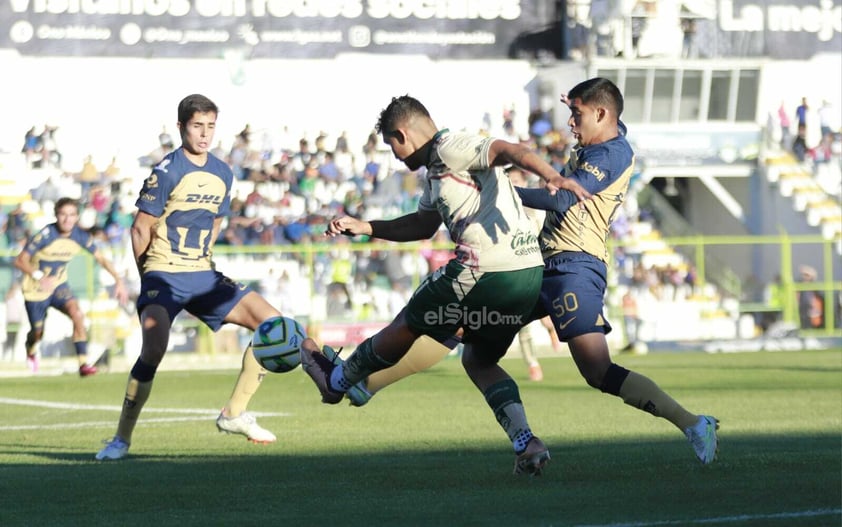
x=156 y=190
x=540 y=198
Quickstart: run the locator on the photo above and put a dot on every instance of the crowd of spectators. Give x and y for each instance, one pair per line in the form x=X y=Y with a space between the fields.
x=40 y=148
x=813 y=137
x=285 y=191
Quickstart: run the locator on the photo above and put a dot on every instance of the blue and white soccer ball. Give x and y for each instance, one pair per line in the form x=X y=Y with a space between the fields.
x=277 y=344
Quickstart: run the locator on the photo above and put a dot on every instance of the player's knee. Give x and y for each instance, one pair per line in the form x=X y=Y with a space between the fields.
x=613 y=379
x=594 y=374
x=474 y=361
x=143 y=372
x=594 y=381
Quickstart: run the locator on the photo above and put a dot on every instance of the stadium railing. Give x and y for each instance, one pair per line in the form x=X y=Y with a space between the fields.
x=307 y=276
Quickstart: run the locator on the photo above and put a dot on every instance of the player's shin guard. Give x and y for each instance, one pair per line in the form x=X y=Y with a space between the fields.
x=137 y=392
x=424 y=353
x=504 y=400
x=363 y=362
x=251 y=375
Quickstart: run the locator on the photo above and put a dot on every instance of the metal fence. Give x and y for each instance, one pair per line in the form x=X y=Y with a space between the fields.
x=309 y=261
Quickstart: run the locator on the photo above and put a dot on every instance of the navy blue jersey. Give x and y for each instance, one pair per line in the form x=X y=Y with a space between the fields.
x=604 y=170
x=51 y=252
x=573 y=237
x=186 y=199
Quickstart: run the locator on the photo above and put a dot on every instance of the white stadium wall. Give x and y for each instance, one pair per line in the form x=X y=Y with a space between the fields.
x=117 y=106
x=818 y=79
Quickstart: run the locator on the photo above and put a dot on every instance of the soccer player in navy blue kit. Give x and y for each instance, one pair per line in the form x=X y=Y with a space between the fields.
x=43 y=262
x=573 y=245
x=467 y=190
x=180 y=212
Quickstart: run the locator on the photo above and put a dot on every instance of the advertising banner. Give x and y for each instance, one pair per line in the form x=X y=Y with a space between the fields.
x=780 y=29
x=470 y=29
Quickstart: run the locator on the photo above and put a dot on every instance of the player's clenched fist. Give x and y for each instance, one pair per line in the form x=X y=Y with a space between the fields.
x=566 y=183
x=348 y=226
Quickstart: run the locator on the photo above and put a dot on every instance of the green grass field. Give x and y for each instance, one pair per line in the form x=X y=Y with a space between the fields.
x=427 y=451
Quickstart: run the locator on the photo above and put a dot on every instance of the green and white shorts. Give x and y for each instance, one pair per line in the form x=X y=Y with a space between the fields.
x=491 y=307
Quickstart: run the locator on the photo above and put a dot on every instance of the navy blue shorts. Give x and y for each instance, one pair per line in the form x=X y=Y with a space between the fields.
x=37 y=311
x=207 y=295
x=573 y=294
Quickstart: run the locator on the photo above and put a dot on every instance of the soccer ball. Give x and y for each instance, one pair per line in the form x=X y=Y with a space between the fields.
x=277 y=343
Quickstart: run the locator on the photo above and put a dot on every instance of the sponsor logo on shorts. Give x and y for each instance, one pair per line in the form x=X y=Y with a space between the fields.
x=454 y=314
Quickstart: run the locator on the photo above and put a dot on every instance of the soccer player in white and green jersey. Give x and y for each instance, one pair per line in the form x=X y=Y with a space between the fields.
x=496 y=251
x=573 y=243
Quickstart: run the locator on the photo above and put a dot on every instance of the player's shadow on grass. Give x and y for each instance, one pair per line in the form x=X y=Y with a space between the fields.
x=592 y=483
x=753 y=367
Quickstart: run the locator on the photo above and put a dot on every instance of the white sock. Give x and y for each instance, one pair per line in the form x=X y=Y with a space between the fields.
x=338 y=383
x=521 y=440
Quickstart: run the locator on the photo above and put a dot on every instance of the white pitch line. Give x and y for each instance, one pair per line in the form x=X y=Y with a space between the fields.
x=190 y=414
x=114 y=408
x=96 y=424
x=110 y=408
x=725 y=519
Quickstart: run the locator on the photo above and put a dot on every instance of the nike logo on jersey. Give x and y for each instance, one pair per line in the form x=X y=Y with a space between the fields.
x=565 y=324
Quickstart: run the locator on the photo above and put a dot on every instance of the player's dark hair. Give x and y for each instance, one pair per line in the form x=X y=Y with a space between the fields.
x=193 y=104
x=599 y=91
x=399 y=110
x=63 y=202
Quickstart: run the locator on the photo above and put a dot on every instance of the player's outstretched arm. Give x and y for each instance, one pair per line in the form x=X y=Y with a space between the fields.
x=541 y=198
x=121 y=293
x=502 y=153
x=419 y=225
x=570 y=184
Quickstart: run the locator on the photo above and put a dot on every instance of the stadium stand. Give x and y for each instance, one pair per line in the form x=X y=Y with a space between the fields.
x=796 y=181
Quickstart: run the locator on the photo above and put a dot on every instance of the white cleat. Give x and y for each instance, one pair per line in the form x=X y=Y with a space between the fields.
x=702 y=436
x=245 y=424
x=115 y=448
